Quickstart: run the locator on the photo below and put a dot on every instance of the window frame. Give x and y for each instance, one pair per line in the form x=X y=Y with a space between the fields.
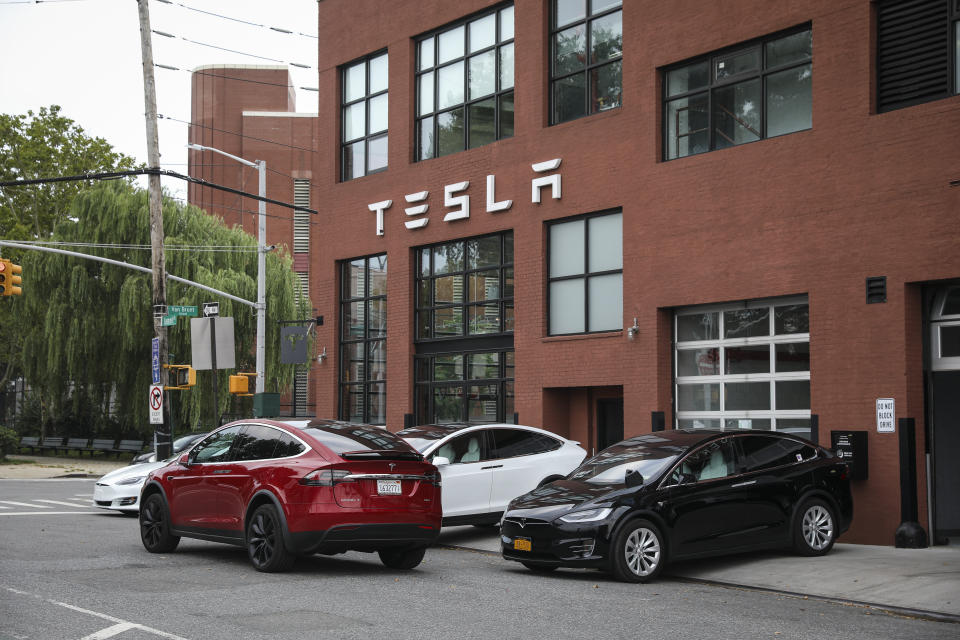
x=505 y=379
x=497 y=96
x=588 y=68
x=762 y=73
x=431 y=307
x=587 y=274
x=366 y=383
x=771 y=376
x=366 y=98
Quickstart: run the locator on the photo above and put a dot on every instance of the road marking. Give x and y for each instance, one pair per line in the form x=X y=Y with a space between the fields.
x=51 y=513
x=66 y=504
x=26 y=504
x=109 y=632
x=119 y=625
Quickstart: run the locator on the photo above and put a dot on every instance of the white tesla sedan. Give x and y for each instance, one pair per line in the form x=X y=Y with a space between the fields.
x=119 y=490
x=485 y=466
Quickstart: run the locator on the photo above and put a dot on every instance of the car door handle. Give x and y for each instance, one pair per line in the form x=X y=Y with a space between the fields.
x=221 y=471
x=744 y=484
x=493 y=466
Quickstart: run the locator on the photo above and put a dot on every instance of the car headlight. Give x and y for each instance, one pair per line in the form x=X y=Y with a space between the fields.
x=133 y=480
x=587 y=515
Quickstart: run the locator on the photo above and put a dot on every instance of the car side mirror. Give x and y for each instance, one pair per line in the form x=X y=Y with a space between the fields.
x=439 y=461
x=185 y=460
x=633 y=478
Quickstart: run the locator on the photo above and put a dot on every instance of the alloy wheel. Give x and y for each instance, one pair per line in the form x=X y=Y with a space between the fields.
x=642 y=551
x=151 y=523
x=817 y=527
x=262 y=539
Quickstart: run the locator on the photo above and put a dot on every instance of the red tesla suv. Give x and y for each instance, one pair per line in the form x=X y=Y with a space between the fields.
x=283 y=489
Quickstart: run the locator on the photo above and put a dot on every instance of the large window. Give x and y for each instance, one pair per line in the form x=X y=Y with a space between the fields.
x=364 y=122
x=586 y=274
x=465 y=85
x=586 y=54
x=743 y=366
x=465 y=387
x=918 y=52
x=465 y=288
x=741 y=94
x=363 y=340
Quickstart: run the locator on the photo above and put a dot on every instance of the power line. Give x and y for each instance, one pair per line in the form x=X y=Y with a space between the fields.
x=234 y=133
x=242 y=53
x=217 y=75
x=142 y=247
x=252 y=24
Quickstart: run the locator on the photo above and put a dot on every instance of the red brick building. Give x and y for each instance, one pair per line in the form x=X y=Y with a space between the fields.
x=608 y=218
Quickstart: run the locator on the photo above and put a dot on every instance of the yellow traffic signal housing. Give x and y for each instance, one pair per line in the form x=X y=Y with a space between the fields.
x=182 y=376
x=10 y=278
x=240 y=383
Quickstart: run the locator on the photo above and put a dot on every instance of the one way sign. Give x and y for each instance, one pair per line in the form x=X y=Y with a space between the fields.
x=211 y=309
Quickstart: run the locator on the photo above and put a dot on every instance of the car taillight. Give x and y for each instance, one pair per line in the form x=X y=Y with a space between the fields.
x=433 y=478
x=324 y=477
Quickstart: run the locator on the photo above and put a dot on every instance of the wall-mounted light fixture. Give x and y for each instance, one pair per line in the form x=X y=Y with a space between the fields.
x=632 y=331
x=322 y=356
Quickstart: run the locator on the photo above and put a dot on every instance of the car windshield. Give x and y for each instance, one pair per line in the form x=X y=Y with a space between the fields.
x=641 y=455
x=421 y=437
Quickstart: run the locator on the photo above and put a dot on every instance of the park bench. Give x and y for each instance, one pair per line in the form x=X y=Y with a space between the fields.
x=77 y=444
x=29 y=442
x=104 y=445
x=129 y=446
x=52 y=444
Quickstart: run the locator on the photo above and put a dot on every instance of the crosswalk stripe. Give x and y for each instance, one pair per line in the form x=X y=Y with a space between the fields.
x=3 y=507
x=26 y=504
x=66 y=504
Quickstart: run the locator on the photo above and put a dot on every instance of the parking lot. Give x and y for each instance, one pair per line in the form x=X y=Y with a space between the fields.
x=75 y=572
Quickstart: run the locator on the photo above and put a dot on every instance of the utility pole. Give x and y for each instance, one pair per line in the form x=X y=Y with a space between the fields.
x=162 y=432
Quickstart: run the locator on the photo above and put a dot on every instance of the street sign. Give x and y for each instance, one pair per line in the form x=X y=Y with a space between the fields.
x=885 y=415
x=156 y=404
x=155 y=360
x=211 y=309
x=169 y=321
x=182 y=310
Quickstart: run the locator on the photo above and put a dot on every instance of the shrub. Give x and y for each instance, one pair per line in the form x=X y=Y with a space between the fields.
x=8 y=442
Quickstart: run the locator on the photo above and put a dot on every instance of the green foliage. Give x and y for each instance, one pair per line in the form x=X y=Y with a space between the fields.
x=40 y=145
x=9 y=443
x=89 y=324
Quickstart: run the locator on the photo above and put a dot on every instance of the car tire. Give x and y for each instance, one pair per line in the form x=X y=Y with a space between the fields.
x=815 y=529
x=403 y=559
x=155 y=526
x=265 y=546
x=539 y=568
x=638 y=552
x=548 y=480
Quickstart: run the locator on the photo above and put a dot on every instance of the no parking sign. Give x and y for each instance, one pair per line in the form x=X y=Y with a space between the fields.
x=156 y=404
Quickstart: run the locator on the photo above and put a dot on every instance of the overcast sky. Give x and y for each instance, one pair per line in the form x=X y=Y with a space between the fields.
x=85 y=56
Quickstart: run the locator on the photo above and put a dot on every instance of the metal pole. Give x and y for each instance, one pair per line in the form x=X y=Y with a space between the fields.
x=262 y=280
x=156 y=213
x=213 y=366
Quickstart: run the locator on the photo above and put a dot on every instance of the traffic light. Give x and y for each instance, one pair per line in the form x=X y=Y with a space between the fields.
x=10 y=278
x=182 y=376
x=240 y=384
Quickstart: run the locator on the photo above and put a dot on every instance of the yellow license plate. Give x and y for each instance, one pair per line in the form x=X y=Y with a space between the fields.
x=522 y=544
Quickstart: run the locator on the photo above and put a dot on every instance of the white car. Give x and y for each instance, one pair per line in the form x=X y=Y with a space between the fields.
x=120 y=489
x=485 y=466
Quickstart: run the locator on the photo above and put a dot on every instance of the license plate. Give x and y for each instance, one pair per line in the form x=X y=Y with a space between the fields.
x=388 y=487
x=522 y=544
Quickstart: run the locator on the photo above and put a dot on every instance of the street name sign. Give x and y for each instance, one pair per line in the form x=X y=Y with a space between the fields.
x=169 y=321
x=182 y=310
x=156 y=404
x=155 y=360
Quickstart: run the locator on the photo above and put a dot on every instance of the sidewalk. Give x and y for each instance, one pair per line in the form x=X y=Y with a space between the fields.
x=915 y=582
x=54 y=467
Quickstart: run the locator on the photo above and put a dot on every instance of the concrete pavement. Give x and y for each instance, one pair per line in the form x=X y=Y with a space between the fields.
x=913 y=582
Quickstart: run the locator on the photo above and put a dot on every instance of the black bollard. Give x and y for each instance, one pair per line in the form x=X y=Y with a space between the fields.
x=909 y=535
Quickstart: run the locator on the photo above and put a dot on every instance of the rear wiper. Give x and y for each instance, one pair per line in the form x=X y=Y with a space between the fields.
x=388 y=454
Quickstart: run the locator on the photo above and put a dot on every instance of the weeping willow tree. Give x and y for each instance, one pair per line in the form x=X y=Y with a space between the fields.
x=90 y=324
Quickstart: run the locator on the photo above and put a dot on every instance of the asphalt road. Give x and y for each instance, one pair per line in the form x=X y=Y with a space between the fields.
x=73 y=572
